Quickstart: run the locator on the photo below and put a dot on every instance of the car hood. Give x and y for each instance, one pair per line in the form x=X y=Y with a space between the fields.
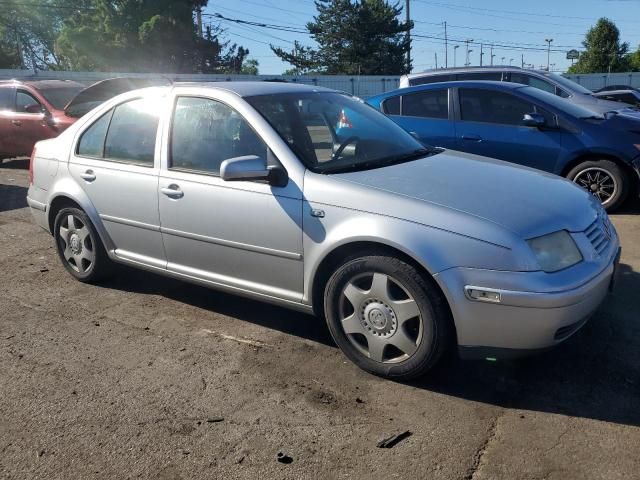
x=524 y=201
x=104 y=90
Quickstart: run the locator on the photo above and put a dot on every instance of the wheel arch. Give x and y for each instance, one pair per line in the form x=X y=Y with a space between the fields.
x=336 y=256
x=595 y=156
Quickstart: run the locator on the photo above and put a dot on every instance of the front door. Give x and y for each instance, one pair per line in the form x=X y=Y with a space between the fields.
x=491 y=125
x=114 y=162
x=244 y=234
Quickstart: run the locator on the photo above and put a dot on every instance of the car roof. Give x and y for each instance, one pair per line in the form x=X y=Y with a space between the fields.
x=43 y=84
x=609 y=92
x=251 y=88
x=457 y=83
x=428 y=73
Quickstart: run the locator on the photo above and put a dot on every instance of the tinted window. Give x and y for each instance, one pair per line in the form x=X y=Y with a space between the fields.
x=495 y=76
x=391 y=106
x=493 y=107
x=60 y=96
x=7 y=98
x=24 y=100
x=431 y=79
x=132 y=132
x=205 y=133
x=92 y=140
x=430 y=104
x=533 y=81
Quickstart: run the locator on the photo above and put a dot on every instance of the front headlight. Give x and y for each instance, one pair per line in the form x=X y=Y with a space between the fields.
x=555 y=251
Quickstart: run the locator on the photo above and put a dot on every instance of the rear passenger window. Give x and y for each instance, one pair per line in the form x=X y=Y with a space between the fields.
x=125 y=133
x=132 y=132
x=391 y=106
x=490 y=106
x=533 y=82
x=7 y=98
x=92 y=140
x=429 y=104
x=206 y=132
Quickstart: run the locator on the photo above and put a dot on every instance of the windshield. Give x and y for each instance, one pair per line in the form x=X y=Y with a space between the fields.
x=60 y=96
x=569 y=84
x=566 y=106
x=332 y=132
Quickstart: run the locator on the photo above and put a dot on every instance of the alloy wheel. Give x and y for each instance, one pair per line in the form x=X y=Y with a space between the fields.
x=599 y=182
x=76 y=244
x=381 y=319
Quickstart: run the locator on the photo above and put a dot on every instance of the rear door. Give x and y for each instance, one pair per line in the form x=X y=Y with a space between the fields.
x=490 y=124
x=427 y=116
x=115 y=161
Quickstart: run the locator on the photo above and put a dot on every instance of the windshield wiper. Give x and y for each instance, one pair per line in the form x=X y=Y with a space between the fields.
x=384 y=161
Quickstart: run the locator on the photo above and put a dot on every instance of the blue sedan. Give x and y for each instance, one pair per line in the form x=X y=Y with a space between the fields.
x=525 y=125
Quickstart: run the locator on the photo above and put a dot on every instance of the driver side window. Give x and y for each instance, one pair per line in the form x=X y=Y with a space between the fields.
x=205 y=133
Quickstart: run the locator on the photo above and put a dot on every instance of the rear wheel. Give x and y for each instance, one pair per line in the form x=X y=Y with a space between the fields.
x=79 y=246
x=604 y=179
x=386 y=317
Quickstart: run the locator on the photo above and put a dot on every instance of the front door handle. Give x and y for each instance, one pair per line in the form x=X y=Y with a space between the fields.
x=89 y=176
x=17 y=123
x=472 y=138
x=172 y=191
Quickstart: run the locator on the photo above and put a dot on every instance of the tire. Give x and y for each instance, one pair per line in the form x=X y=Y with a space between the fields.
x=79 y=246
x=379 y=328
x=603 y=174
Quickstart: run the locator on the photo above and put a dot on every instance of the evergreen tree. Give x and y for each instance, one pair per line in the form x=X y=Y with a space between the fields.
x=354 y=37
x=603 y=50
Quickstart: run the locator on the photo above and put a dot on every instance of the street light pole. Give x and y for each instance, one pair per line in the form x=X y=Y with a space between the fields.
x=446 y=47
x=502 y=60
x=548 y=40
x=467 y=41
x=510 y=61
x=455 y=47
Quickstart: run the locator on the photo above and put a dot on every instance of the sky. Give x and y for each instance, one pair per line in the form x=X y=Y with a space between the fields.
x=515 y=28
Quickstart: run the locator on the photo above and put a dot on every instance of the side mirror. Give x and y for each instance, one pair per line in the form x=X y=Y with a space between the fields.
x=252 y=167
x=533 y=120
x=34 y=108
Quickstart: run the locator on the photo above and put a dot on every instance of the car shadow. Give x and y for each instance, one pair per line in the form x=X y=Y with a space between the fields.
x=630 y=207
x=12 y=197
x=15 y=163
x=595 y=374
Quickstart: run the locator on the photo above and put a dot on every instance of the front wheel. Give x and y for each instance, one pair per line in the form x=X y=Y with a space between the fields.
x=604 y=179
x=386 y=317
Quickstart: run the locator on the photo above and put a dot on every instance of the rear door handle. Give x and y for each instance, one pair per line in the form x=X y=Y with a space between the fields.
x=472 y=138
x=17 y=123
x=172 y=191
x=89 y=176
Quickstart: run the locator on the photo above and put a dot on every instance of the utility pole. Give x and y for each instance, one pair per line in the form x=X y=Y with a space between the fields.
x=455 y=47
x=492 y=55
x=467 y=41
x=481 y=54
x=435 y=54
x=522 y=62
x=548 y=40
x=408 y=19
x=199 y=21
x=446 y=47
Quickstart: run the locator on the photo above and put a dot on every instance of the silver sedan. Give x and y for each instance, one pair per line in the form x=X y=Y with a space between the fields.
x=310 y=199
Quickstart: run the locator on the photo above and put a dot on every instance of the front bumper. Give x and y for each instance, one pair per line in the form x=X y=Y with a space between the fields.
x=523 y=320
x=39 y=212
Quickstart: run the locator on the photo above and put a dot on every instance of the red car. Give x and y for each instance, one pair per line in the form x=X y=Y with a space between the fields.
x=31 y=111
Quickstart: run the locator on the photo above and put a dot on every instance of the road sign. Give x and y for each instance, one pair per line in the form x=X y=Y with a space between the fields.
x=573 y=55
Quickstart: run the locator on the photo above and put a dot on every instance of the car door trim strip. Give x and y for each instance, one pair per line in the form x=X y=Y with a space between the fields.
x=131 y=223
x=229 y=243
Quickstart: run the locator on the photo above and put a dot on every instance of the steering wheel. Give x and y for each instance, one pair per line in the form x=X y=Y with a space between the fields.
x=344 y=145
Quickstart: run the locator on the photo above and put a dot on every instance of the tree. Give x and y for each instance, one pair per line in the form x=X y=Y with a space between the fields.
x=145 y=36
x=250 y=67
x=603 y=50
x=360 y=37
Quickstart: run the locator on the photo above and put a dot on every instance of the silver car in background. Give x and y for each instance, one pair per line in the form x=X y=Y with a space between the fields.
x=259 y=189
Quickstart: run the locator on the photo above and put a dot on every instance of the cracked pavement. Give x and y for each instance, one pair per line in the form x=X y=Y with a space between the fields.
x=147 y=377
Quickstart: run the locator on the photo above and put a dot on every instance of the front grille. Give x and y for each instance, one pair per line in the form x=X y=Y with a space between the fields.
x=600 y=232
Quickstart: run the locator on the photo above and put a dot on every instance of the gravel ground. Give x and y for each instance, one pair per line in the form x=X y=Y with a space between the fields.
x=147 y=377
